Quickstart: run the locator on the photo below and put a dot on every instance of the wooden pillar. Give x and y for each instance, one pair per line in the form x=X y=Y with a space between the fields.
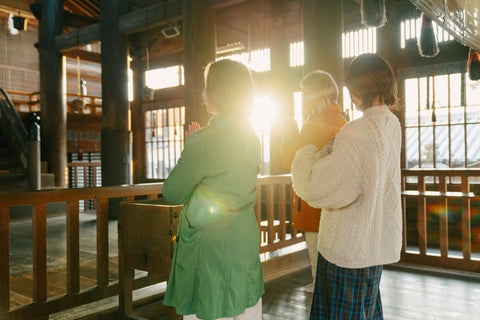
x=388 y=45
x=116 y=150
x=388 y=36
x=322 y=36
x=53 y=104
x=138 y=66
x=199 y=38
x=280 y=83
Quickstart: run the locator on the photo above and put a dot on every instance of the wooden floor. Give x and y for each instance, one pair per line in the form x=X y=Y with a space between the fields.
x=408 y=292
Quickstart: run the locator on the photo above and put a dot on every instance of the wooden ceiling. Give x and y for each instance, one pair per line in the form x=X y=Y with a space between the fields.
x=89 y=8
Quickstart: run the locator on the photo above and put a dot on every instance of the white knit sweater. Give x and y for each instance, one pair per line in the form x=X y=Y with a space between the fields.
x=358 y=185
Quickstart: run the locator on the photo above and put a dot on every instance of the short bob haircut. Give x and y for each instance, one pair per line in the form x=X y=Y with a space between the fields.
x=322 y=83
x=371 y=76
x=229 y=87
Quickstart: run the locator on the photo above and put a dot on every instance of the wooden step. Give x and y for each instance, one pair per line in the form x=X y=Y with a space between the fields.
x=9 y=162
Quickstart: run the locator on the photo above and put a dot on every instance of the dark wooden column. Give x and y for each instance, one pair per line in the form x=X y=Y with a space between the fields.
x=138 y=65
x=322 y=36
x=388 y=46
x=280 y=83
x=199 y=38
x=388 y=36
x=53 y=97
x=116 y=154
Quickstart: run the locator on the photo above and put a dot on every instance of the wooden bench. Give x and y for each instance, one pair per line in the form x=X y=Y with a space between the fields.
x=146 y=231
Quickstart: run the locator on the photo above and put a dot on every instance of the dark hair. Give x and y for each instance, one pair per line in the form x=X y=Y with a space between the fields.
x=371 y=76
x=229 y=87
x=321 y=82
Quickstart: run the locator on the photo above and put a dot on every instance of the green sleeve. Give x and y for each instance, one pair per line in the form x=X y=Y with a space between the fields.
x=185 y=176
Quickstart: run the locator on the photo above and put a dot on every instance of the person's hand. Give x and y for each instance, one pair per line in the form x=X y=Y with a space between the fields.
x=192 y=127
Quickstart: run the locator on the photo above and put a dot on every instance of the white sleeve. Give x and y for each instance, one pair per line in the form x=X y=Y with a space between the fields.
x=332 y=181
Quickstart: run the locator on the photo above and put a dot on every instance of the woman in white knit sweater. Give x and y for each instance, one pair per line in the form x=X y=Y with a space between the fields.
x=358 y=185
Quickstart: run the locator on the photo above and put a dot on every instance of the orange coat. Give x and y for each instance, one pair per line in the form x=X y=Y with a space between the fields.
x=305 y=218
x=324 y=127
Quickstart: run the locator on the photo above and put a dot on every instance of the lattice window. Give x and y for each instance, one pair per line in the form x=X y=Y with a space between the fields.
x=164 y=140
x=442 y=121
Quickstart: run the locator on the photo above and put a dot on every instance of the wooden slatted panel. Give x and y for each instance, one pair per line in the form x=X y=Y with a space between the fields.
x=282 y=211
x=422 y=216
x=270 y=214
x=258 y=205
x=102 y=241
x=4 y=259
x=73 y=248
x=443 y=216
x=153 y=196
x=39 y=222
x=404 y=211
x=466 y=219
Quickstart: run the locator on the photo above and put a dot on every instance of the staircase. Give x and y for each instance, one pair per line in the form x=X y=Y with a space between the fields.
x=13 y=150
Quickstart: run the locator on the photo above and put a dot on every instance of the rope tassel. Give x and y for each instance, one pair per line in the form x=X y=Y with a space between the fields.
x=373 y=13
x=473 y=64
x=427 y=42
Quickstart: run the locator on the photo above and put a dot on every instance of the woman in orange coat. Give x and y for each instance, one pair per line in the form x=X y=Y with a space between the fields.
x=320 y=110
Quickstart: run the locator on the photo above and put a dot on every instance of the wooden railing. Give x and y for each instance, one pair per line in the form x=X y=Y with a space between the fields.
x=272 y=210
x=441 y=209
x=441 y=228
x=25 y=101
x=30 y=102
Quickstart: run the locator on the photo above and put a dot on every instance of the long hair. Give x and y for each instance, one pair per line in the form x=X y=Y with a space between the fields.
x=370 y=76
x=229 y=87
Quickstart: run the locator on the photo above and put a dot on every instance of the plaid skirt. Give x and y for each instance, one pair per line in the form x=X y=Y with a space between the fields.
x=342 y=293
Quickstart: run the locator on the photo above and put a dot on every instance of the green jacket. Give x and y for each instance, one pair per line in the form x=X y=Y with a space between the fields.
x=216 y=270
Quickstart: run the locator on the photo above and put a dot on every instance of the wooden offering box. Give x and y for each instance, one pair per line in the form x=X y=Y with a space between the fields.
x=146 y=232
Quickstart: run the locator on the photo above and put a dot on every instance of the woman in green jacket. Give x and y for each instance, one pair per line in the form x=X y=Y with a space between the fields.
x=216 y=271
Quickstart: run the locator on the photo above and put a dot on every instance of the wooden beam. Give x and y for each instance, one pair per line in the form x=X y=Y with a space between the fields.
x=150 y=17
x=78 y=37
x=135 y=21
x=217 y=4
x=84 y=55
x=15 y=5
x=77 y=20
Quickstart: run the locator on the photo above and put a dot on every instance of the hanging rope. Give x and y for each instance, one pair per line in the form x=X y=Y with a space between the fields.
x=79 y=90
x=434 y=117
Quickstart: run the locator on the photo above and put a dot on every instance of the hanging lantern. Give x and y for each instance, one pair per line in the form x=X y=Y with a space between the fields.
x=20 y=23
x=427 y=42
x=373 y=13
x=473 y=65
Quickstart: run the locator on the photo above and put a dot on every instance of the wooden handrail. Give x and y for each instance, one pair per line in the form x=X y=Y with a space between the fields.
x=64 y=195
x=453 y=172
x=273 y=213
x=427 y=216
